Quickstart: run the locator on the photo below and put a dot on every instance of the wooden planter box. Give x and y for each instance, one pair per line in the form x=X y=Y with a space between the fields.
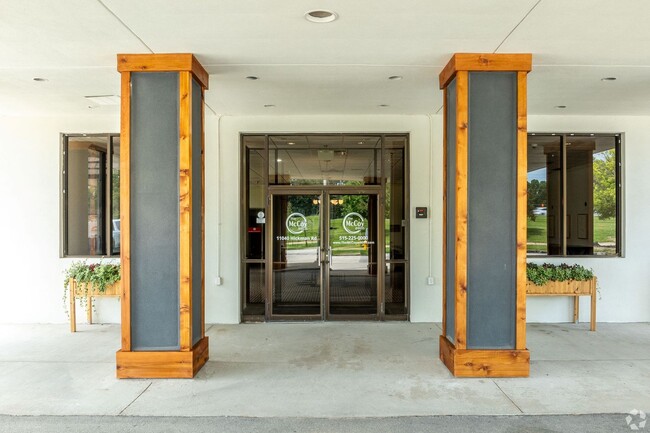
x=568 y=288
x=78 y=290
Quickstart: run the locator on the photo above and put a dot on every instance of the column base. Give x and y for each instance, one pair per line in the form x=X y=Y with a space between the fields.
x=484 y=362
x=162 y=365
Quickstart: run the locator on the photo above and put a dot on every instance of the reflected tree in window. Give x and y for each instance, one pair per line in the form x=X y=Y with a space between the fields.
x=536 y=197
x=605 y=184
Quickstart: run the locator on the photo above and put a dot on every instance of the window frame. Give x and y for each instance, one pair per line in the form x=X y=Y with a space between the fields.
x=63 y=197
x=244 y=261
x=619 y=147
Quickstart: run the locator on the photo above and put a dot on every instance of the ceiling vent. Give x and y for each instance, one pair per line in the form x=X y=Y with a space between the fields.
x=104 y=99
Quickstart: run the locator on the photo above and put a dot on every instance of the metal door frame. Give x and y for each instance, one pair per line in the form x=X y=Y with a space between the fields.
x=268 y=307
x=324 y=194
x=381 y=252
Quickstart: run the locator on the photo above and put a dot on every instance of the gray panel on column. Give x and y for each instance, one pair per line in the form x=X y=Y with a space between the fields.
x=154 y=211
x=450 y=270
x=491 y=248
x=197 y=237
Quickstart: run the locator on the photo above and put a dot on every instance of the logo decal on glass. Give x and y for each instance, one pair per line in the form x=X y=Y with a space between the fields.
x=353 y=223
x=296 y=223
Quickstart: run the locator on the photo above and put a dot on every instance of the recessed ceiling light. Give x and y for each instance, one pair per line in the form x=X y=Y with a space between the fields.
x=291 y=143
x=39 y=79
x=278 y=160
x=608 y=79
x=361 y=142
x=321 y=16
x=560 y=107
x=269 y=106
x=104 y=99
x=395 y=77
x=252 y=77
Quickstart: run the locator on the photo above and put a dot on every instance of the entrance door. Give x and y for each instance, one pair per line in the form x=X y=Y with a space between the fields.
x=296 y=273
x=325 y=256
x=353 y=256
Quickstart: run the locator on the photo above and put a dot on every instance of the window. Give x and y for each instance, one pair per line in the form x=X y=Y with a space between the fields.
x=574 y=194
x=90 y=196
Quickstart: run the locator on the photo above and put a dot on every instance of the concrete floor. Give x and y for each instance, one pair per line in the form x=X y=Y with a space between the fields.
x=325 y=370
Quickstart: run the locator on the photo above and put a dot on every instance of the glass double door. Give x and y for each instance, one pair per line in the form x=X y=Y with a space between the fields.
x=325 y=255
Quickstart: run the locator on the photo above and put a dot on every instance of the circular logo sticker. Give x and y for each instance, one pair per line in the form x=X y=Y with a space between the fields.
x=296 y=223
x=353 y=223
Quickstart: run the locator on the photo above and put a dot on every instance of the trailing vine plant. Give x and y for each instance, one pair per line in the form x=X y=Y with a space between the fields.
x=95 y=276
x=541 y=274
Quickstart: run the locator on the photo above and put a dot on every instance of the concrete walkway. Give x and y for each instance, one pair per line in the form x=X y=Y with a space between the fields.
x=325 y=370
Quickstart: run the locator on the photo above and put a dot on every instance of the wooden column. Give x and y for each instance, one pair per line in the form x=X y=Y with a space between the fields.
x=162 y=223
x=484 y=268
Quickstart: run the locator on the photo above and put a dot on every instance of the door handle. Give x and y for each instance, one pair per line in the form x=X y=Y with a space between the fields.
x=324 y=260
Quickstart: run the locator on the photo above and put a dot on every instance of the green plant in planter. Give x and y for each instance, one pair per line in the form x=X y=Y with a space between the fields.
x=98 y=275
x=541 y=274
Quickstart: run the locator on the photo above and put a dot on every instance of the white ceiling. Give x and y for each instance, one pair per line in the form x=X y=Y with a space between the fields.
x=339 y=67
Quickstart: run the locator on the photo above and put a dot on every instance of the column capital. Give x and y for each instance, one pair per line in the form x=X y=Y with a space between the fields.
x=484 y=62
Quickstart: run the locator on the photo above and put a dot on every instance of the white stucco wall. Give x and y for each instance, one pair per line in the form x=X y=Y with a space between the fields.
x=32 y=272
x=222 y=302
x=31 y=286
x=623 y=282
